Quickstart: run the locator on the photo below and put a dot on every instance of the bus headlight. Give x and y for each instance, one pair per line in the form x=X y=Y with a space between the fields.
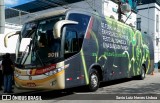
x=54 y=71
x=16 y=75
x=59 y=69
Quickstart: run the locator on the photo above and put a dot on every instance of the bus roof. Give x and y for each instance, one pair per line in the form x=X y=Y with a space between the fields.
x=48 y=14
x=81 y=11
x=59 y=12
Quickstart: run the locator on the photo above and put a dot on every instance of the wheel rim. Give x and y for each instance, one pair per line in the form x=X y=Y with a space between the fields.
x=143 y=74
x=94 y=80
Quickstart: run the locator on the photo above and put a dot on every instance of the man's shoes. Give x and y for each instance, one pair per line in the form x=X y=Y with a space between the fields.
x=1 y=88
x=5 y=92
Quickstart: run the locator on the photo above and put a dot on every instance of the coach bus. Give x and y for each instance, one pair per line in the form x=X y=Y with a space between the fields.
x=71 y=48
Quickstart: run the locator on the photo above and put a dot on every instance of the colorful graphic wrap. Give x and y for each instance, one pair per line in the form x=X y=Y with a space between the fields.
x=120 y=49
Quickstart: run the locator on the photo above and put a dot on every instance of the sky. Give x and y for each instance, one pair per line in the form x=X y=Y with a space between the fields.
x=12 y=3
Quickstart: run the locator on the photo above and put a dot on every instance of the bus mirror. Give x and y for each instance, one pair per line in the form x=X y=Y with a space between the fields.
x=58 y=26
x=8 y=36
x=18 y=32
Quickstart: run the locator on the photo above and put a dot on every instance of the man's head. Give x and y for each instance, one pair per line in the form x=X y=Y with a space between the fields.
x=7 y=55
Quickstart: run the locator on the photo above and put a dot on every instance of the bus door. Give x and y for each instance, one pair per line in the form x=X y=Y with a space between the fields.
x=73 y=36
x=72 y=56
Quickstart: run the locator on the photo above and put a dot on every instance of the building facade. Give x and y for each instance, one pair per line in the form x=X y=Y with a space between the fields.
x=148 y=22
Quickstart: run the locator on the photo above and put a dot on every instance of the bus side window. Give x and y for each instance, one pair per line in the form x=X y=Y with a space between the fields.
x=71 y=46
x=74 y=43
x=66 y=46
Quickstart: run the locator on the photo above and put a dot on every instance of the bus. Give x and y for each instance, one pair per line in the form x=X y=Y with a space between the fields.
x=71 y=47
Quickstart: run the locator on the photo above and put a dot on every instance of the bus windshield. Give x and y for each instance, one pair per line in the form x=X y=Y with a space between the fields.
x=36 y=45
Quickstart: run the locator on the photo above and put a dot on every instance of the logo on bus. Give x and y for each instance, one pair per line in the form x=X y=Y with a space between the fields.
x=30 y=77
x=53 y=82
x=31 y=84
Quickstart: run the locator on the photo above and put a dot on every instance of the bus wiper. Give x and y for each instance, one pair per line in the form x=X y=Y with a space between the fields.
x=28 y=46
x=39 y=58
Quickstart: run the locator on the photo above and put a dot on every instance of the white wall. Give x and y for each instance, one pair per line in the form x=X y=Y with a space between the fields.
x=157 y=35
x=9 y=27
x=148 y=24
x=147 y=16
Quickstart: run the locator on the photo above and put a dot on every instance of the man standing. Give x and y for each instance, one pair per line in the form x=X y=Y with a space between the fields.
x=8 y=69
x=1 y=75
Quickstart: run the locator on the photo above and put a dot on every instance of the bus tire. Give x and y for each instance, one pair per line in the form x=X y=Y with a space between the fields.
x=94 y=80
x=143 y=73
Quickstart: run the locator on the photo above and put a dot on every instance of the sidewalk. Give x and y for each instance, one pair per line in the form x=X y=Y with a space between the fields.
x=16 y=91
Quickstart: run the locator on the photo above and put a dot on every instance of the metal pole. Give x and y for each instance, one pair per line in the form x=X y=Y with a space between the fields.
x=2 y=17
x=128 y=17
x=119 y=10
x=20 y=18
x=148 y=18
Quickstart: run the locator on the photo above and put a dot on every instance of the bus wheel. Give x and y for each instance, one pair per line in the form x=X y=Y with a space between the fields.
x=93 y=80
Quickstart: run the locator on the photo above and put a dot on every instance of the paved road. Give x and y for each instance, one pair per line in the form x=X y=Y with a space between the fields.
x=124 y=87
